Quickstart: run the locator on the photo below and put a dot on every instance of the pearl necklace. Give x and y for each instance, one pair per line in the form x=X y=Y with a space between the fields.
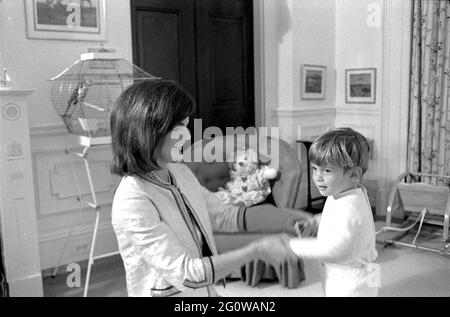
x=153 y=175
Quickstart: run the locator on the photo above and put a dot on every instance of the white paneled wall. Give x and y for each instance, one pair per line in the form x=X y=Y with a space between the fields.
x=31 y=62
x=367 y=122
x=59 y=210
x=359 y=40
x=385 y=46
x=306 y=124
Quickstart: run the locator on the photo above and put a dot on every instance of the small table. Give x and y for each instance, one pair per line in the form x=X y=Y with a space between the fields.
x=307 y=144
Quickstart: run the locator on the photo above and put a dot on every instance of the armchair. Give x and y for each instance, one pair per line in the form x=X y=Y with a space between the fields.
x=272 y=216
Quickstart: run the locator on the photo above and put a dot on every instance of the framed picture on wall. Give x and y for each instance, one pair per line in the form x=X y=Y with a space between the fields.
x=313 y=81
x=82 y=20
x=360 y=85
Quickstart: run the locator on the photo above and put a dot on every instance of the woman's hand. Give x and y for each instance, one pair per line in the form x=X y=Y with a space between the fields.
x=271 y=219
x=275 y=250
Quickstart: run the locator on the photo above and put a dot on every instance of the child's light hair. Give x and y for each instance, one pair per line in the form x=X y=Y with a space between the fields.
x=343 y=147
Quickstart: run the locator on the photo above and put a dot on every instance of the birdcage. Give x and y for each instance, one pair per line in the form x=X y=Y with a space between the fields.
x=84 y=93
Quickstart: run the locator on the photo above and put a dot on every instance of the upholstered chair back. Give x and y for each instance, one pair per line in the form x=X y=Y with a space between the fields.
x=277 y=153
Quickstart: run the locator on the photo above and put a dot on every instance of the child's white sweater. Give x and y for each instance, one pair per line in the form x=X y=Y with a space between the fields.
x=345 y=240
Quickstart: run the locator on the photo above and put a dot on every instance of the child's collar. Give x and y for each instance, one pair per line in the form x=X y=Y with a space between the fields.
x=350 y=191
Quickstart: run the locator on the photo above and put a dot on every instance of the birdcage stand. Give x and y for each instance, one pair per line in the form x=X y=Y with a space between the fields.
x=86 y=144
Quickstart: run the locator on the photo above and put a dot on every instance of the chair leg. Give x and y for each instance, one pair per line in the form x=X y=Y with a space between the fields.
x=446 y=225
x=388 y=216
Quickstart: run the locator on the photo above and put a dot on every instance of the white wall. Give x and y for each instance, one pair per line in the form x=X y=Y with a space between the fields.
x=298 y=32
x=361 y=42
x=31 y=62
x=337 y=34
x=359 y=45
x=314 y=43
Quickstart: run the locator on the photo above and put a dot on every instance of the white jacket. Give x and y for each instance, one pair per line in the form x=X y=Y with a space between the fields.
x=160 y=242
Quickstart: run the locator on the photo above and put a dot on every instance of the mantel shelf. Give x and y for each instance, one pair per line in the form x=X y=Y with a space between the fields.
x=9 y=92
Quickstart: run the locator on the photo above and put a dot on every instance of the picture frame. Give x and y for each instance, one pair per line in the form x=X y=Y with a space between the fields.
x=313 y=78
x=360 y=85
x=79 y=20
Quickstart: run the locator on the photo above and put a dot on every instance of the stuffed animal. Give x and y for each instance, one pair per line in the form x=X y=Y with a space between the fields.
x=249 y=180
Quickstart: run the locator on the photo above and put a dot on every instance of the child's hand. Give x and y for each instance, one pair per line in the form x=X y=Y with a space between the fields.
x=275 y=249
x=304 y=228
x=307 y=226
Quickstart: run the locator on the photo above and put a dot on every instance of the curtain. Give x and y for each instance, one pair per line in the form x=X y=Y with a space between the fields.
x=429 y=112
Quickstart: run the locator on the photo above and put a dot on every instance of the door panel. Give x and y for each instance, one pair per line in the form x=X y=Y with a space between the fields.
x=163 y=43
x=225 y=62
x=227 y=66
x=206 y=45
x=163 y=39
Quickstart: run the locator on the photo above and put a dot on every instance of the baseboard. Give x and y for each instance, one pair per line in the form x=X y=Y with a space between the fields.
x=29 y=286
x=83 y=265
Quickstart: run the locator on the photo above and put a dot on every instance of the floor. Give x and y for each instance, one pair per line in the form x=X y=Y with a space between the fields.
x=406 y=272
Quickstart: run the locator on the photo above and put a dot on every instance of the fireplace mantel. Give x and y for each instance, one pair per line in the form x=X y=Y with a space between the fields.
x=18 y=224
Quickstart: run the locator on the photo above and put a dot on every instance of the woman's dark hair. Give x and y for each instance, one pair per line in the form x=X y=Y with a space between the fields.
x=141 y=118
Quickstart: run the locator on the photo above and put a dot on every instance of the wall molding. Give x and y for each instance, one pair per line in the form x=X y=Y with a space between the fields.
x=303 y=122
x=49 y=130
x=81 y=229
x=57 y=206
x=300 y=112
x=359 y=111
x=47 y=163
x=311 y=130
x=52 y=246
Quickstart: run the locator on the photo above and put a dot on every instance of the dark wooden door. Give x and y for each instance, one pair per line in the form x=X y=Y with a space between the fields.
x=164 y=39
x=207 y=46
x=225 y=67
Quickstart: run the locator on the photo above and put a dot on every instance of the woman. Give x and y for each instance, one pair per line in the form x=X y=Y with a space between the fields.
x=162 y=216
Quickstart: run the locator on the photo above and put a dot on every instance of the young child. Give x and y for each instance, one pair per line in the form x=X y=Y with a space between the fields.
x=345 y=243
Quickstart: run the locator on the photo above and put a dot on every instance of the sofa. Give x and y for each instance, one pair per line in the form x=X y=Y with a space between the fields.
x=271 y=216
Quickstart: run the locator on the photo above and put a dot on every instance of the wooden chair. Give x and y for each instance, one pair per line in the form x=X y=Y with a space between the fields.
x=424 y=203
